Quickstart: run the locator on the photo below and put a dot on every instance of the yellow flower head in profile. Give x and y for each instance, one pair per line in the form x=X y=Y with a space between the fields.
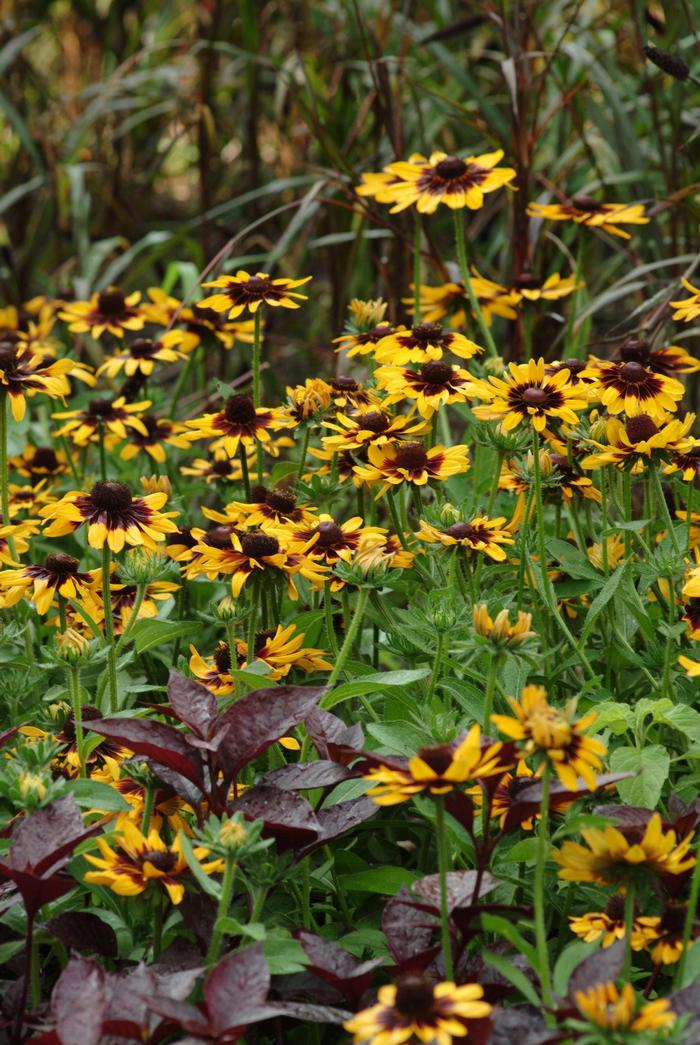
x=687 y=308
x=584 y=210
x=611 y=1009
x=475 y=535
x=527 y=393
x=110 y=311
x=612 y=854
x=245 y=291
x=112 y=516
x=499 y=630
x=556 y=734
x=609 y=925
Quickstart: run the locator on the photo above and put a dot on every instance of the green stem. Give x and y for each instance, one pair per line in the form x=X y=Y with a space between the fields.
x=629 y=926
x=109 y=626
x=5 y=473
x=689 y=512
x=689 y=919
x=443 y=858
x=328 y=610
x=606 y=520
x=222 y=910
x=490 y=688
x=149 y=799
x=74 y=691
x=539 y=898
x=464 y=272
x=103 y=454
x=302 y=453
x=627 y=507
x=416 y=269
x=242 y=453
x=252 y=622
x=63 y=624
x=437 y=663
x=569 y=341
x=391 y=505
x=665 y=510
x=350 y=635
x=131 y=623
x=256 y=358
x=184 y=374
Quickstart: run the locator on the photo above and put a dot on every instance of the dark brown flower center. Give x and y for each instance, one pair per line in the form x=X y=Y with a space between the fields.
x=205 y=315
x=427 y=332
x=640 y=428
x=101 y=408
x=411 y=456
x=535 y=397
x=451 y=167
x=142 y=347
x=222 y=467
x=634 y=350
x=462 y=531
x=154 y=427
x=377 y=333
x=61 y=564
x=240 y=409
x=45 y=457
x=673 y=920
x=329 y=533
x=110 y=496
x=258 y=545
x=633 y=372
x=527 y=281
x=161 y=861
x=181 y=537
x=345 y=384
x=222 y=658
x=279 y=501
x=261 y=640
x=438 y=757
x=8 y=355
x=111 y=302
x=373 y=421
x=256 y=285
x=436 y=373
x=616 y=908
x=219 y=537
x=574 y=366
x=586 y=203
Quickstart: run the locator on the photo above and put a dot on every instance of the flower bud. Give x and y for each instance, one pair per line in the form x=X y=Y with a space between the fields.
x=232 y=835
x=367 y=314
x=156 y=484
x=668 y=63
x=72 y=647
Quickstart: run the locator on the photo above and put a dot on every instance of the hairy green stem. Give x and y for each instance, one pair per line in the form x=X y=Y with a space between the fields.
x=222 y=909
x=464 y=272
x=109 y=627
x=350 y=635
x=5 y=472
x=539 y=898
x=443 y=859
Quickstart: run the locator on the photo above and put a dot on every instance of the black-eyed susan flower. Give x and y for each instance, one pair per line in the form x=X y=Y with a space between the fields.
x=29 y=498
x=282 y=650
x=239 y=422
x=309 y=400
x=219 y=467
x=691 y=615
x=274 y=509
x=112 y=515
x=685 y=461
x=615 y=548
x=370 y=426
x=609 y=925
x=687 y=309
x=555 y=734
x=415 y=1009
x=110 y=311
x=566 y=479
x=458 y=183
x=365 y=327
x=141 y=355
x=536 y=288
x=245 y=291
x=37 y=462
x=192 y=324
x=611 y=854
x=59 y=575
x=136 y=860
x=333 y=542
x=436 y=384
x=632 y=388
x=160 y=432
x=614 y=1010
x=669 y=360
x=436 y=770
x=25 y=373
x=448 y=301
x=479 y=534
x=350 y=394
x=109 y=416
x=640 y=442
x=423 y=343
x=526 y=393
x=411 y=463
x=499 y=630
x=584 y=210
x=341 y=465
x=666 y=931
x=381 y=185
x=214 y=672
x=124 y=597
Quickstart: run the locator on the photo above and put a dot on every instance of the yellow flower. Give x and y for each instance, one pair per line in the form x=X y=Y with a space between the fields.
x=112 y=516
x=141 y=355
x=555 y=734
x=687 y=308
x=607 y=1007
x=554 y=287
x=38 y=461
x=411 y=463
x=428 y=182
x=240 y=421
x=692 y=667
x=42 y=584
x=500 y=631
x=110 y=311
x=243 y=291
x=640 y=441
x=527 y=393
x=611 y=854
x=422 y=344
x=583 y=210
x=160 y=432
x=24 y=372
x=214 y=672
x=436 y=384
x=108 y=416
x=634 y=388
x=476 y=535
x=372 y=426
x=609 y=925
x=417 y=1009
x=305 y=401
x=615 y=549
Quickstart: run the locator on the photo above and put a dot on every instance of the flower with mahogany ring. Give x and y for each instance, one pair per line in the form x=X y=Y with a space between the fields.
x=272 y=510
x=59 y=575
x=370 y=426
x=239 y=422
x=436 y=384
x=364 y=342
x=427 y=182
x=21 y=534
x=686 y=460
x=350 y=394
x=112 y=515
x=555 y=734
x=614 y=1010
x=670 y=360
x=584 y=210
x=141 y=355
x=640 y=442
x=391 y=465
x=102 y=417
x=193 y=325
x=632 y=388
x=29 y=498
x=219 y=467
x=687 y=309
x=609 y=925
x=25 y=373
x=422 y=344
x=479 y=534
x=244 y=291
x=36 y=462
x=330 y=541
x=526 y=393
x=160 y=432
x=110 y=311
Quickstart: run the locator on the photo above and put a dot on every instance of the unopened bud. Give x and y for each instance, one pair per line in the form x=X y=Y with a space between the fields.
x=668 y=63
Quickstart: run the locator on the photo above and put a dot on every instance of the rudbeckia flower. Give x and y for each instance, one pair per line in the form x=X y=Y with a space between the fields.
x=307 y=400
x=555 y=734
x=381 y=185
x=274 y=509
x=687 y=309
x=612 y=1010
x=243 y=291
x=110 y=416
x=633 y=388
x=29 y=498
x=476 y=535
x=347 y=392
x=372 y=426
x=41 y=584
x=141 y=355
x=436 y=770
x=283 y=650
x=123 y=598
x=39 y=461
x=330 y=541
x=363 y=342
x=423 y=343
x=611 y=854
x=416 y=1009
x=110 y=310
x=527 y=393
x=499 y=630
x=686 y=460
x=584 y=210
x=112 y=516
x=25 y=373
x=411 y=463
x=640 y=442
x=240 y=422
x=436 y=384
x=20 y=533
x=160 y=432
x=609 y=925
x=670 y=360
x=536 y=288
x=193 y=324
x=136 y=860
x=218 y=468
x=458 y=183
x=214 y=672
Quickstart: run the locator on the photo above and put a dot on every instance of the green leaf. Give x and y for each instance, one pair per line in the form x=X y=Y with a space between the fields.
x=600 y=602
x=399 y=737
x=209 y=886
x=92 y=794
x=686 y=720
x=383 y=880
x=232 y=927
x=493 y=923
x=147 y=634
x=651 y=764
x=514 y=975
x=523 y=852
x=9 y=949
x=616 y=717
x=567 y=961
x=372 y=684
x=283 y=954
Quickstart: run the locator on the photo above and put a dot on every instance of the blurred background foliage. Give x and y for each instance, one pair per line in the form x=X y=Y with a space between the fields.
x=140 y=139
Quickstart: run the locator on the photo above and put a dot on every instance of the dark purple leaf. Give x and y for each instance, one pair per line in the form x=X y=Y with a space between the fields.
x=35 y=890
x=239 y=981
x=176 y=782
x=8 y=734
x=337 y=819
x=687 y=1002
x=601 y=967
x=527 y=797
x=37 y=838
x=155 y=740
x=298 y=1010
x=625 y=816
x=303 y=775
x=193 y=704
x=409 y=931
x=332 y=738
x=522 y=1024
x=127 y=1013
x=186 y=1016
x=83 y=931
x=461 y=807
x=78 y=1003
x=287 y=816
x=260 y=718
x=460 y=889
x=337 y=966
